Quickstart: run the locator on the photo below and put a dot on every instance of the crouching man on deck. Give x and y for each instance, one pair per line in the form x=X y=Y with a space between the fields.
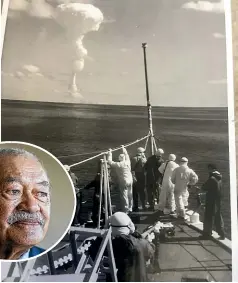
x=130 y=250
x=124 y=178
x=213 y=187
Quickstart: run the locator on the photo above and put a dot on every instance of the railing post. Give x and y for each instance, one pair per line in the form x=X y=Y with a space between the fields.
x=105 y=189
x=112 y=260
x=108 y=190
x=100 y=200
x=51 y=263
x=74 y=249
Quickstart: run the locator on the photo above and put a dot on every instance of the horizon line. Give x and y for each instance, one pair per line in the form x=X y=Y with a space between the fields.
x=102 y=104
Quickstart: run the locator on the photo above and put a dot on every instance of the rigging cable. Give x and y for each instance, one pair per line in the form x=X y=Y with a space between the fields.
x=105 y=152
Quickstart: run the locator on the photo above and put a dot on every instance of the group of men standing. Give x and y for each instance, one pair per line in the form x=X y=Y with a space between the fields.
x=167 y=182
x=155 y=178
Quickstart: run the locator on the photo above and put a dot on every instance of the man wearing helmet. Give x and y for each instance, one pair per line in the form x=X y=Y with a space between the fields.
x=153 y=175
x=182 y=177
x=130 y=249
x=212 y=215
x=138 y=173
x=124 y=178
x=167 y=188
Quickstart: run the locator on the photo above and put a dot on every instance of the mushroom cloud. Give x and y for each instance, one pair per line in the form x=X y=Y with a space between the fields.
x=78 y=19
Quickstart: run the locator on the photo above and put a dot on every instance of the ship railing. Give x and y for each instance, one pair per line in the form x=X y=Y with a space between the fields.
x=84 y=267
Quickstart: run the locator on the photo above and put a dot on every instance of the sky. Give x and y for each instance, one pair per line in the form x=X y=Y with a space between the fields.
x=186 y=54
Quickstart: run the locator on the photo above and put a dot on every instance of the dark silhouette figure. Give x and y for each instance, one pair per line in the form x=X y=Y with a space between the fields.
x=212 y=216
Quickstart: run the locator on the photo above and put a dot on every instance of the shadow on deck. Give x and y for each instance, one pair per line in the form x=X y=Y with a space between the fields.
x=184 y=257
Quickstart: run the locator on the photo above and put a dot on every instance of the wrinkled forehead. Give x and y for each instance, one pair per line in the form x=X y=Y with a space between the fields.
x=26 y=167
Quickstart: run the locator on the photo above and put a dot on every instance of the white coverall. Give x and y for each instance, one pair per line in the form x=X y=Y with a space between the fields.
x=167 y=188
x=124 y=179
x=182 y=177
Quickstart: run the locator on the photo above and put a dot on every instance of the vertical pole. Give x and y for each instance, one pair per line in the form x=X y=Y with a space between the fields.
x=112 y=263
x=108 y=193
x=144 y=45
x=73 y=245
x=105 y=190
x=100 y=200
x=51 y=263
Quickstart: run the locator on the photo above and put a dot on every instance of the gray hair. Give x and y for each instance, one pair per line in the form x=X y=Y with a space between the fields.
x=20 y=152
x=17 y=152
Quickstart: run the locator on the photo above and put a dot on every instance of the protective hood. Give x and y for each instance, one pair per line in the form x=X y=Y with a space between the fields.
x=121 y=224
x=216 y=175
x=121 y=157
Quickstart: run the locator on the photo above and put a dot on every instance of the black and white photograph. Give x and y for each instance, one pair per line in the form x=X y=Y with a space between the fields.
x=133 y=97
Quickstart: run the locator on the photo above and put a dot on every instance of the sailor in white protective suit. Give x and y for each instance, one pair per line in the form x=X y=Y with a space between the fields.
x=124 y=179
x=182 y=177
x=167 y=189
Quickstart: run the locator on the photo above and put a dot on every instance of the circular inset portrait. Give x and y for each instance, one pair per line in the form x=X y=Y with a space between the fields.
x=37 y=201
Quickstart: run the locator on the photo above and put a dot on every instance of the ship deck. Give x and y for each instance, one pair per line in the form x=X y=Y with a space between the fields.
x=182 y=257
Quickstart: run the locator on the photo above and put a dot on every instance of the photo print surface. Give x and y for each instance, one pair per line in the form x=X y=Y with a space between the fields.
x=148 y=80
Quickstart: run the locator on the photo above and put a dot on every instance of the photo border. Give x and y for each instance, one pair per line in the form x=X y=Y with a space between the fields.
x=232 y=137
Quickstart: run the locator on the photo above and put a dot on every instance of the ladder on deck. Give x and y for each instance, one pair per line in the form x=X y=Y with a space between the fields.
x=85 y=270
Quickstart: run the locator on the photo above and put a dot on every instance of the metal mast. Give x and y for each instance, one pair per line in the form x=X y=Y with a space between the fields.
x=152 y=142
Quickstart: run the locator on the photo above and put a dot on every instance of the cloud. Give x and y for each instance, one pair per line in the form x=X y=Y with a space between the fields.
x=218 y=35
x=19 y=74
x=5 y=74
x=44 y=9
x=35 y=8
x=205 y=6
x=30 y=68
x=18 y=5
x=59 y=2
x=40 y=9
x=28 y=71
x=24 y=72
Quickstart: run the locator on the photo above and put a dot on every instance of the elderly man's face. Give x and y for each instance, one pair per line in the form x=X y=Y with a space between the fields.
x=24 y=201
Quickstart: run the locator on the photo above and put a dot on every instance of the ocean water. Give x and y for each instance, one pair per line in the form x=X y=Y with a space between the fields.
x=68 y=131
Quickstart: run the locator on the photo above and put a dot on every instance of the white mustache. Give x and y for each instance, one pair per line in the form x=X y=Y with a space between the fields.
x=25 y=216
